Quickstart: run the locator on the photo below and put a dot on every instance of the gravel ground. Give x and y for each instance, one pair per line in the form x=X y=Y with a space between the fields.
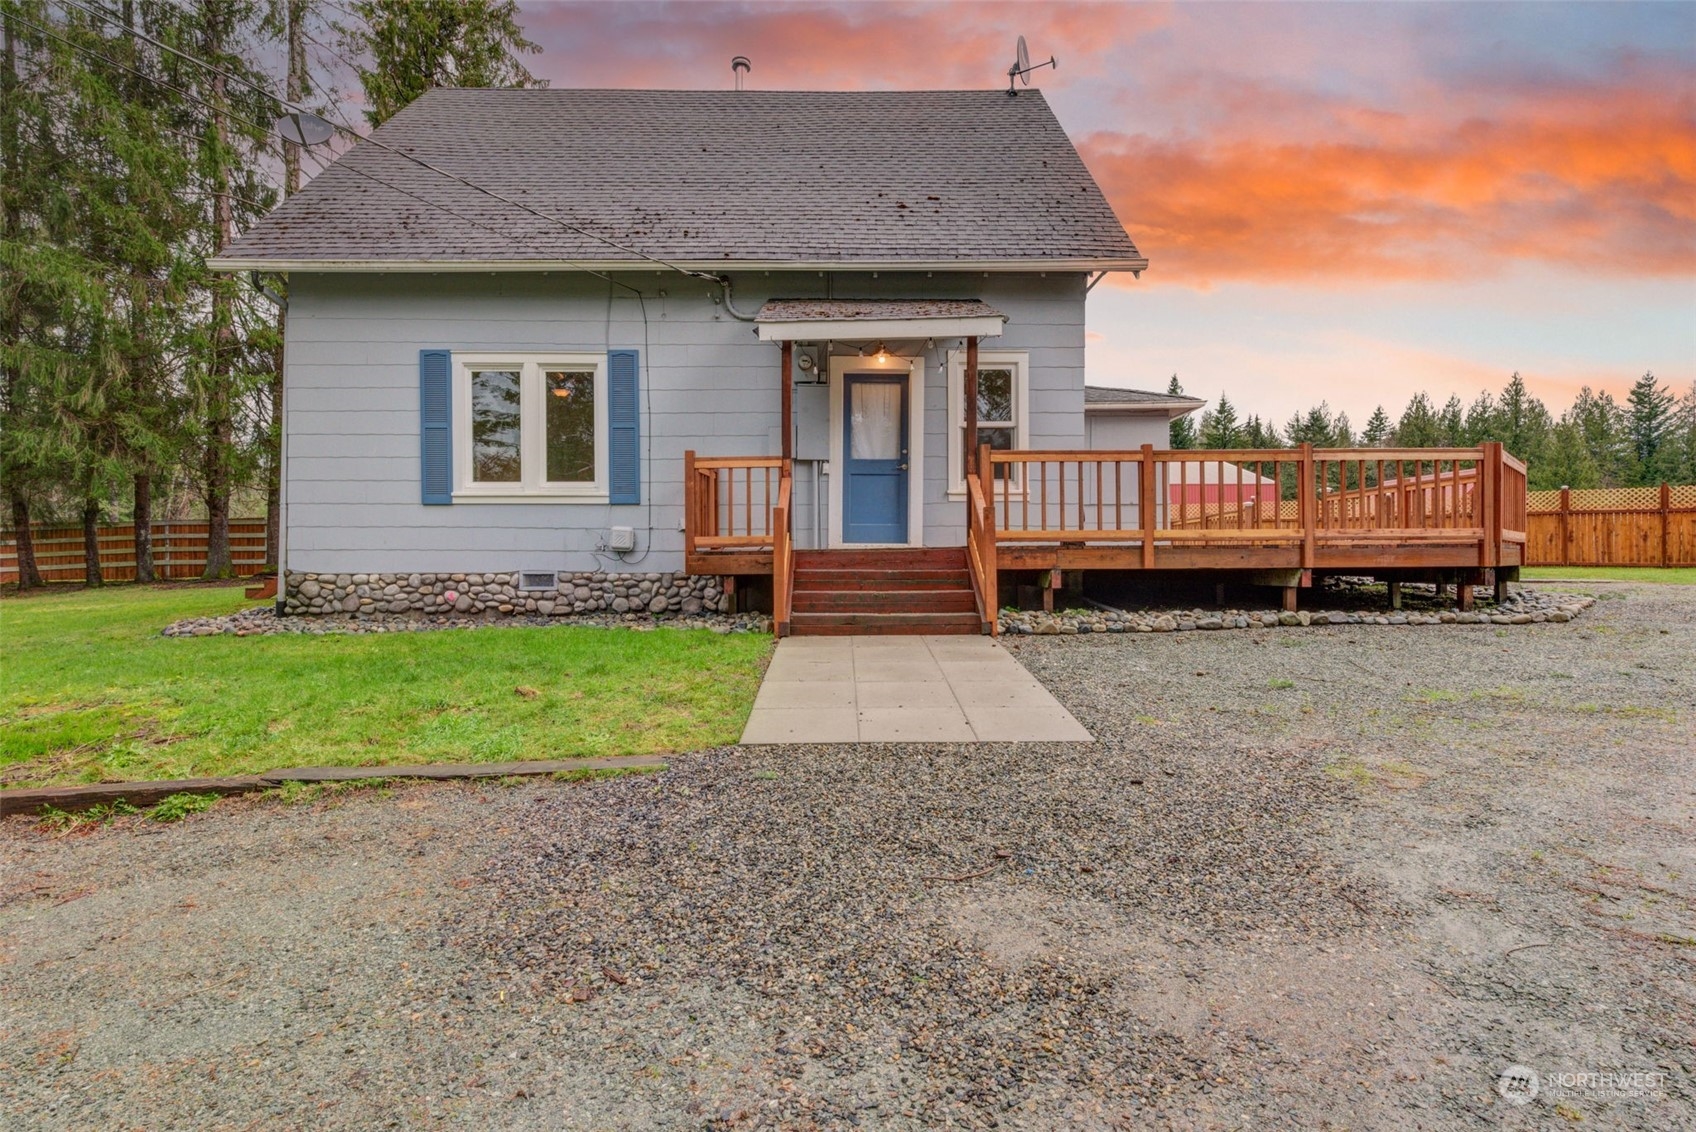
x=1307 y=878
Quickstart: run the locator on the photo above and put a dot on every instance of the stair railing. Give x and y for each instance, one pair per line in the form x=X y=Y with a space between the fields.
x=980 y=541
x=783 y=554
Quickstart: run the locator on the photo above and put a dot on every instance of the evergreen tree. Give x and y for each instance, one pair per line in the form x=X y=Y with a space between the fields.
x=1182 y=432
x=1650 y=424
x=1684 y=438
x=1451 y=423
x=1567 y=463
x=1220 y=428
x=1481 y=420
x=1522 y=422
x=1258 y=434
x=1418 y=427
x=1601 y=422
x=1378 y=429
x=1342 y=433
x=416 y=45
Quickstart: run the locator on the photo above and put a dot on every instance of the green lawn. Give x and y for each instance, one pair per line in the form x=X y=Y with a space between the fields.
x=1678 y=575
x=90 y=692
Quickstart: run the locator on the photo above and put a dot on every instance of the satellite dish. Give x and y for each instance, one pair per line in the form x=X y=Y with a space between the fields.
x=1021 y=69
x=303 y=129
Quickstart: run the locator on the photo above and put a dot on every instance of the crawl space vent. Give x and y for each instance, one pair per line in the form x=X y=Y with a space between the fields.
x=529 y=581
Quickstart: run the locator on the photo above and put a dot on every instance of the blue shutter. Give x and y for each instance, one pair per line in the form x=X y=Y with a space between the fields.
x=435 y=433
x=624 y=430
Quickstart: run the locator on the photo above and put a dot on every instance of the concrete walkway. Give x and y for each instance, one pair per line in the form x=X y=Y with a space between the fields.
x=903 y=690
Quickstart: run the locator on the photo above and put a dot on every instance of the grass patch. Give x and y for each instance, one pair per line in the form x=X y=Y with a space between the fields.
x=176 y=807
x=1278 y=682
x=1674 y=575
x=93 y=693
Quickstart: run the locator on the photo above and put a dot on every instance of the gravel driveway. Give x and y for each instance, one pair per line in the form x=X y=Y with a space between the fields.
x=1305 y=879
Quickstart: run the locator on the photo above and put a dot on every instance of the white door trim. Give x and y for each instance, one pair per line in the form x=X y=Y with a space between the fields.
x=915 y=370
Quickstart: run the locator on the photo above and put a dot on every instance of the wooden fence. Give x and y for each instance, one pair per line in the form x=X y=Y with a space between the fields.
x=1612 y=526
x=179 y=551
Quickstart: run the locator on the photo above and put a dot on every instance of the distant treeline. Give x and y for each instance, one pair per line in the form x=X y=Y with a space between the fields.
x=1596 y=442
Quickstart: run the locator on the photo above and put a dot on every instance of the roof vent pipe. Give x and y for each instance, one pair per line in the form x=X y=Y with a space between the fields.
x=739 y=67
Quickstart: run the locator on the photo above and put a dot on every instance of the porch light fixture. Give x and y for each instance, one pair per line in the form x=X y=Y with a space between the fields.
x=882 y=354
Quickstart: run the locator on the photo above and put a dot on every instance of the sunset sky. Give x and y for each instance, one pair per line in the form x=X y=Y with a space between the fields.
x=1339 y=201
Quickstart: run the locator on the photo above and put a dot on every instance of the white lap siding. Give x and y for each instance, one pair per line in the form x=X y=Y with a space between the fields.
x=352 y=487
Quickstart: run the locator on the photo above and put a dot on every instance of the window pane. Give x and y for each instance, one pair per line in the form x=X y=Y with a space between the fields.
x=495 y=427
x=999 y=440
x=995 y=395
x=570 y=416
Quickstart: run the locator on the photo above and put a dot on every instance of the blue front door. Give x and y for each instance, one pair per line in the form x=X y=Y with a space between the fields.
x=874 y=448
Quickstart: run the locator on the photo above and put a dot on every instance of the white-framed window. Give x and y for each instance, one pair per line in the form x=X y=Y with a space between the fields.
x=1003 y=411
x=530 y=426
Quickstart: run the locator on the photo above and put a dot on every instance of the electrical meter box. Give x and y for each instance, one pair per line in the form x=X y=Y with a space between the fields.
x=812 y=422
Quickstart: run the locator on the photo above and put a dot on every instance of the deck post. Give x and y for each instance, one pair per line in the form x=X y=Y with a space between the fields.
x=787 y=367
x=1304 y=496
x=1463 y=596
x=1395 y=595
x=691 y=503
x=970 y=391
x=1290 y=593
x=1501 y=585
x=1145 y=504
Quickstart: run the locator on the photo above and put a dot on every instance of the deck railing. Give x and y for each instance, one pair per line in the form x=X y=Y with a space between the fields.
x=730 y=501
x=1259 y=497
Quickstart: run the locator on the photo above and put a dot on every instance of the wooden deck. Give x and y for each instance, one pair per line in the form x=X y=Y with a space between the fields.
x=1283 y=514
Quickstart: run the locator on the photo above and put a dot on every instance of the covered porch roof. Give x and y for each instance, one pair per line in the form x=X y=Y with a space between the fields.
x=816 y=320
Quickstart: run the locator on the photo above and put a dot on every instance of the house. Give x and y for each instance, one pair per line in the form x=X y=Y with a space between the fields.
x=494 y=401
x=560 y=352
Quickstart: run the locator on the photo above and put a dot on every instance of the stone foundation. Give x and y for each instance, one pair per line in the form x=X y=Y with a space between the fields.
x=498 y=595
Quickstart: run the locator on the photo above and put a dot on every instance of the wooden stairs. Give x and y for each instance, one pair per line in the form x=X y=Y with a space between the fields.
x=917 y=591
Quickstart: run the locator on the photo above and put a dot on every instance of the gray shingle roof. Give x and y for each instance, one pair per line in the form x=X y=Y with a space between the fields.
x=920 y=178
x=1134 y=398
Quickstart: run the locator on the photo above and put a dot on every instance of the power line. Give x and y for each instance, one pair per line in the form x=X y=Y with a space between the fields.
x=420 y=162
x=199 y=101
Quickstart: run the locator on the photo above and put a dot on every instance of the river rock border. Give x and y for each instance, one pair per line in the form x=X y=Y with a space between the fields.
x=307 y=594
x=1523 y=607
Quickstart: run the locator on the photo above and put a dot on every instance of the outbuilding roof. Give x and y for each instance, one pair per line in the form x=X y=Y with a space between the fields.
x=703 y=179
x=1107 y=399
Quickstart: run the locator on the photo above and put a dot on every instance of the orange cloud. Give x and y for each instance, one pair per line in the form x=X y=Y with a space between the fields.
x=1600 y=178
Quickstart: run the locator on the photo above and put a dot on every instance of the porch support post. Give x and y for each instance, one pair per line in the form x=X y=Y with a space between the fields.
x=1395 y=589
x=788 y=380
x=970 y=391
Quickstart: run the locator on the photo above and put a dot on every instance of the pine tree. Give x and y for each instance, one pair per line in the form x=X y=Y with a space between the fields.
x=1378 y=429
x=1220 y=428
x=1684 y=438
x=1522 y=422
x=1182 y=434
x=1451 y=423
x=1258 y=434
x=1649 y=424
x=417 y=46
x=1602 y=424
x=1418 y=427
x=1481 y=419
x=1567 y=463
